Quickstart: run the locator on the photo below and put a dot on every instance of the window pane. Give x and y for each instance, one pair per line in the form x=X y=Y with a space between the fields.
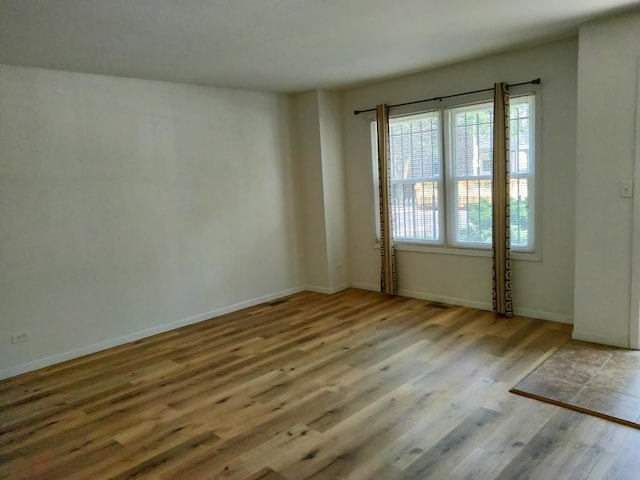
x=415 y=160
x=522 y=168
x=472 y=164
x=473 y=141
x=519 y=209
x=415 y=211
x=415 y=147
x=472 y=158
x=473 y=211
x=519 y=135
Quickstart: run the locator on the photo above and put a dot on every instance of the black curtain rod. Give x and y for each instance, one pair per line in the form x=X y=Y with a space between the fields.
x=531 y=82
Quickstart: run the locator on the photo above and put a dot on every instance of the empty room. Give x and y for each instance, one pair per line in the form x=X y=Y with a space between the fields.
x=285 y=239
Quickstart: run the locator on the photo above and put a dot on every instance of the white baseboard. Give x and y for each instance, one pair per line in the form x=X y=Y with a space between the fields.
x=463 y=302
x=326 y=290
x=542 y=315
x=340 y=288
x=366 y=286
x=131 y=337
x=622 y=342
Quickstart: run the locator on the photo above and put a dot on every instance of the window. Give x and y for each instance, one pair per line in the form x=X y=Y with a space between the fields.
x=415 y=163
x=522 y=173
x=422 y=171
x=471 y=160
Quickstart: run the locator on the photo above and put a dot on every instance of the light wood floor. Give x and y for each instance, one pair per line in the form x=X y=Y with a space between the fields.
x=353 y=385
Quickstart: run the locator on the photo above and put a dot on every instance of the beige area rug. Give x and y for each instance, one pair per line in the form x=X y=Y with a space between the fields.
x=593 y=379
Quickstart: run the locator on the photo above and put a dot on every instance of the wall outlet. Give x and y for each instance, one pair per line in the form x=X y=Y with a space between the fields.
x=626 y=189
x=20 y=337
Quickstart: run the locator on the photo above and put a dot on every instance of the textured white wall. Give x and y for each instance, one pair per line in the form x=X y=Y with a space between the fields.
x=541 y=288
x=606 y=139
x=128 y=205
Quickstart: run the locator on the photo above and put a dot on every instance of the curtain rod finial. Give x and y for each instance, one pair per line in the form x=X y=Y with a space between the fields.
x=537 y=81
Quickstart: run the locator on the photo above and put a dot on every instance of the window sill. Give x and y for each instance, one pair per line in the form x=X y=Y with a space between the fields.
x=466 y=252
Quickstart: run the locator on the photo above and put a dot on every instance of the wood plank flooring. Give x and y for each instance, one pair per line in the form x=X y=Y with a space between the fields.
x=355 y=385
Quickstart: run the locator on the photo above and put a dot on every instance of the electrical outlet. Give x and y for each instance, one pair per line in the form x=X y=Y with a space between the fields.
x=20 y=337
x=626 y=189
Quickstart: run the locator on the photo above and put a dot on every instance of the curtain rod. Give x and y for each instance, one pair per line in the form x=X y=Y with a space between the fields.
x=535 y=81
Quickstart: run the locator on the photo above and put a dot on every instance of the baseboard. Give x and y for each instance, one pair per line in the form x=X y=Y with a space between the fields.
x=429 y=297
x=601 y=339
x=326 y=290
x=132 y=337
x=542 y=315
x=340 y=288
x=463 y=302
x=366 y=286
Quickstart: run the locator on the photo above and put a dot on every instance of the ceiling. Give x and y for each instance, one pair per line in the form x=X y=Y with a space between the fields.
x=277 y=45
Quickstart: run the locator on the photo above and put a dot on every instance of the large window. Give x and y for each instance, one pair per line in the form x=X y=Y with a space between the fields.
x=422 y=171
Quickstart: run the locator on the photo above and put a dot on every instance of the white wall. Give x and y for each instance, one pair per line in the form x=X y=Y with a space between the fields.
x=542 y=288
x=321 y=190
x=606 y=142
x=333 y=180
x=128 y=207
x=310 y=190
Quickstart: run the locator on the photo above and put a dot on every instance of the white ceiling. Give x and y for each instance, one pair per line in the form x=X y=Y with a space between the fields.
x=277 y=45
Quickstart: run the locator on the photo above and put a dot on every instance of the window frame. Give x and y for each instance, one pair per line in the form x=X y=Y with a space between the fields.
x=445 y=246
x=451 y=178
x=440 y=179
x=531 y=175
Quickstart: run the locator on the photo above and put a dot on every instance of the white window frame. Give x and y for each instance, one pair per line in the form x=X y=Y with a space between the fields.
x=451 y=179
x=531 y=175
x=440 y=179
